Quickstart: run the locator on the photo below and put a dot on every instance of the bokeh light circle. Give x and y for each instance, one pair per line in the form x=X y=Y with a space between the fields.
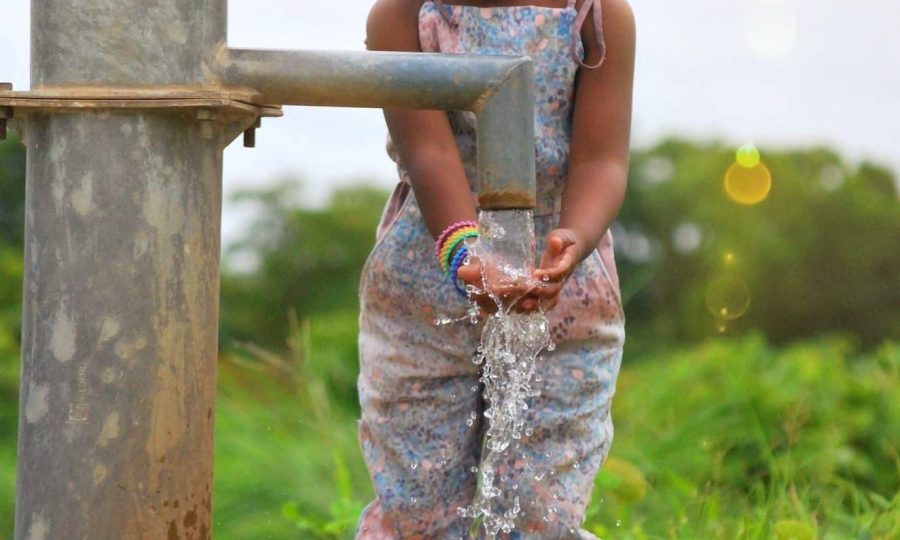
x=747 y=156
x=727 y=298
x=748 y=185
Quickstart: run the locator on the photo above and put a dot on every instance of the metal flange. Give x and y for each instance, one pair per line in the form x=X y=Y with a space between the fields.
x=232 y=105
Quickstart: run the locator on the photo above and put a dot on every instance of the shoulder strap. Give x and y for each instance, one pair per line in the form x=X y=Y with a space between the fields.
x=580 y=17
x=442 y=9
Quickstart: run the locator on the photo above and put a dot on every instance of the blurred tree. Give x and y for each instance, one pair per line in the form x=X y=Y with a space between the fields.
x=12 y=191
x=304 y=259
x=819 y=254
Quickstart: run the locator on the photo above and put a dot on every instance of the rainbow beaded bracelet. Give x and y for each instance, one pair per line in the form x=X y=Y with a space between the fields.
x=439 y=243
x=452 y=242
x=458 y=261
x=451 y=250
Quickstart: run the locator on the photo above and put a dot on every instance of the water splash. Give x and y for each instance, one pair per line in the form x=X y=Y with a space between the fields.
x=510 y=345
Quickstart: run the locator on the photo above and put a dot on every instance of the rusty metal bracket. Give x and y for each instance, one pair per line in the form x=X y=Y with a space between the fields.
x=232 y=105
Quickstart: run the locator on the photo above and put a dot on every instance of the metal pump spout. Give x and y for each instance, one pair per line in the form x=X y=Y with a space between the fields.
x=498 y=89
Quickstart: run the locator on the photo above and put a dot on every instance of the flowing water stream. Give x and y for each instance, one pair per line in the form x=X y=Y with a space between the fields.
x=510 y=345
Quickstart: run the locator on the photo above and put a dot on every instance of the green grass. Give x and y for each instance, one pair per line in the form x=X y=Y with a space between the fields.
x=728 y=439
x=738 y=440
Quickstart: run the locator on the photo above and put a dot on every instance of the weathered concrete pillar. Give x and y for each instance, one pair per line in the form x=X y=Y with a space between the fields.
x=122 y=278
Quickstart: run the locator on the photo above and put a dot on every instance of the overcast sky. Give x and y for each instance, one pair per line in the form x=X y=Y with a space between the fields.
x=785 y=72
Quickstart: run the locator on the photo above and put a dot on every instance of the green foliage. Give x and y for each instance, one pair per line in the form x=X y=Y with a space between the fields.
x=10 y=295
x=343 y=513
x=12 y=191
x=749 y=437
x=737 y=439
x=287 y=461
x=819 y=255
x=12 y=200
x=722 y=440
x=308 y=260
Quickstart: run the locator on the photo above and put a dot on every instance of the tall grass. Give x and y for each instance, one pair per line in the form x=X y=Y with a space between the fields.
x=729 y=439
x=739 y=440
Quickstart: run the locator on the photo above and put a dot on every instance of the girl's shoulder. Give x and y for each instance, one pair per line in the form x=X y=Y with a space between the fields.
x=617 y=24
x=396 y=8
x=393 y=25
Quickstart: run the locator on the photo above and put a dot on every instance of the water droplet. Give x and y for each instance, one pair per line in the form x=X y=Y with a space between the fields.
x=551 y=346
x=618 y=523
x=576 y=465
x=414 y=465
x=545 y=278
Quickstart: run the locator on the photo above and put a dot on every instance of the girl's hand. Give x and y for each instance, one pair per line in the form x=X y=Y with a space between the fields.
x=565 y=249
x=499 y=283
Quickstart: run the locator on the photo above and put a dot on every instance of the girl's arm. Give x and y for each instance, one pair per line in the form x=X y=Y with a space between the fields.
x=425 y=143
x=598 y=159
x=423 y=139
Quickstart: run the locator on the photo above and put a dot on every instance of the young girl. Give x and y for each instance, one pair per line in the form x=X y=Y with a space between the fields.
x=416 y=379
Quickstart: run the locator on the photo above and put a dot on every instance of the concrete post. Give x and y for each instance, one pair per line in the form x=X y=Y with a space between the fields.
x=122 y=279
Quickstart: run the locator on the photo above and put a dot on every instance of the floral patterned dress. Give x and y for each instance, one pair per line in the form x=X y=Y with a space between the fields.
x=421 y=424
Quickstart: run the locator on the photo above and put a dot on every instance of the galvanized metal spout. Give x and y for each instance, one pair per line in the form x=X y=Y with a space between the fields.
x=499 y=89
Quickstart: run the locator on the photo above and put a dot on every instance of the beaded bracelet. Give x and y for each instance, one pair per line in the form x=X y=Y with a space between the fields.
x=458 y=261
x=452 y=242
x=439 y=243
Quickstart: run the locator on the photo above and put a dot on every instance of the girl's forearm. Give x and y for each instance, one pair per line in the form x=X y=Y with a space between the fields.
x=428 y=151
x=591 y=200
x=442 y=191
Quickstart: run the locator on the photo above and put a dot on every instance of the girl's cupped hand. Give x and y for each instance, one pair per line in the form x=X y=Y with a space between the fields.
x=565 y=249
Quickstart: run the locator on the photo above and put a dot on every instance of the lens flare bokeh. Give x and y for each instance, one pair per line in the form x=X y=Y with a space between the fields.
x=727 y=298
x=747 y=156
x=748 y=185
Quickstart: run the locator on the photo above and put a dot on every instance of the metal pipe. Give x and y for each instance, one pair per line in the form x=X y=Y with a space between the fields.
x=505 y=145
x=125 y=42
x=120 y=310
x=498 y=89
